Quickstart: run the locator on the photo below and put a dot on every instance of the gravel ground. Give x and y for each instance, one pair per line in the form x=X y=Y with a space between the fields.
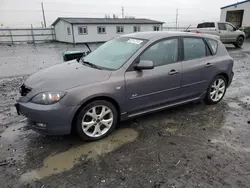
x=190 y=146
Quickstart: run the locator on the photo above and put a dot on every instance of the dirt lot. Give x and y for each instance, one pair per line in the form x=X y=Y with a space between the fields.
x=190 y=146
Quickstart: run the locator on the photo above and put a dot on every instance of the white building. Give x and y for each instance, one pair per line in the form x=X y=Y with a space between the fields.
x=237 y=14
x=87 y=30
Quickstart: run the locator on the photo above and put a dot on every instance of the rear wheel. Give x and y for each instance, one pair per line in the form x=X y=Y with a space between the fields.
x=239 y=42
x=216 y=90
x=96 y=120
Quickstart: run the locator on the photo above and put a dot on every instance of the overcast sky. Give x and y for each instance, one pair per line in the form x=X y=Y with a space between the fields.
x=22 y=13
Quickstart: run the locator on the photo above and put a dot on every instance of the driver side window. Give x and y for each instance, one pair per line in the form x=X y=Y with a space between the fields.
x=229 y=27
x=162 y=53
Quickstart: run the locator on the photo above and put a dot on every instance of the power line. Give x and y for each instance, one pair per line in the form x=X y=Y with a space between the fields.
x=20 y=10
x=176 y=24
x=122 y=12
x=44 y=21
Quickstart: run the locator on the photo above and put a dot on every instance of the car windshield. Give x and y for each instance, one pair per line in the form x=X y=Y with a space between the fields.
x=114 y=53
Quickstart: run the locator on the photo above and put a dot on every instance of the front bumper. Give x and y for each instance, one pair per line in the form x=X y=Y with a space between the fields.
x=57 y=117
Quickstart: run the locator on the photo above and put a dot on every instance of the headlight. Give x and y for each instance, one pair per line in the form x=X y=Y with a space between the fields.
x=47 y=98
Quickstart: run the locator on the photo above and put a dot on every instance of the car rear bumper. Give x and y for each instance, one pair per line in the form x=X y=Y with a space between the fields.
x=230 y=79
x=53 y=119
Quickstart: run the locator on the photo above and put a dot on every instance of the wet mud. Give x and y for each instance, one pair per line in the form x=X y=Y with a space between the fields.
x=194 y=145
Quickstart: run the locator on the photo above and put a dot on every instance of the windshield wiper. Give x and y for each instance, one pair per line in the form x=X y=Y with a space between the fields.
x=90 y=64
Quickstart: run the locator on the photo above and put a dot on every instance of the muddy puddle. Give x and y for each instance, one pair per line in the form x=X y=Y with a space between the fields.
x=65 y=161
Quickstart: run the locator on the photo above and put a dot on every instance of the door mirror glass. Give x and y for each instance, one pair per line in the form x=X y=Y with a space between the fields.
x=144 y=64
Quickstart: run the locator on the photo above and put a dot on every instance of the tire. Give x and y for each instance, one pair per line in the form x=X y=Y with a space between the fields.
x=239 y=42
x=65 y=58
x=212 y=98
x=90 y=125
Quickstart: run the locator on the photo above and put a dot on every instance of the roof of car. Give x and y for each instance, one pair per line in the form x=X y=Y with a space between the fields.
x=163 y=34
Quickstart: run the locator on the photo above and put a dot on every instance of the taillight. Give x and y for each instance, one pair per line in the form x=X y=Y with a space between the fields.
x=198 y=32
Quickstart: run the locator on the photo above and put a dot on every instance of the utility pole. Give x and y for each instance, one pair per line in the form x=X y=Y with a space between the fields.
x=122 y=12
x=176 y=24
x=44 y=21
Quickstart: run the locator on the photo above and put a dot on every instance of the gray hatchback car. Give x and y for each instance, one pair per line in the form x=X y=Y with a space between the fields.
x=128 y=76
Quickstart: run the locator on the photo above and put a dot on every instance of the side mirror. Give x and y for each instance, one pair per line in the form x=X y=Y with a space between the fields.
x=144 y=64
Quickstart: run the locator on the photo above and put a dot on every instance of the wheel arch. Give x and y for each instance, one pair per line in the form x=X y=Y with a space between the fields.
x=241 y=35
x=225 y=75
x=95 y=98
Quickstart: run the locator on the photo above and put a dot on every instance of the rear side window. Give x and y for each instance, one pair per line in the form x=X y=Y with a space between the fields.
x=194 y=48
x=213 y=44
x=206 y=25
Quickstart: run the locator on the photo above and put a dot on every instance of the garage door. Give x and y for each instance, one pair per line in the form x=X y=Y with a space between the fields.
x=235 y=17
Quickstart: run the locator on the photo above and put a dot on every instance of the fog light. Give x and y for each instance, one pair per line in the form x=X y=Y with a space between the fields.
x=42 y=125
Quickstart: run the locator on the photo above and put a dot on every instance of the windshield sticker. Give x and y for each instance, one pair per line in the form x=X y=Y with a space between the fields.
x=135 y=41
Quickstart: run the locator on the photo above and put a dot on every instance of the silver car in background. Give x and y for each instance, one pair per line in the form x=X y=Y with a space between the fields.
x=128 y=76
x=226 y=31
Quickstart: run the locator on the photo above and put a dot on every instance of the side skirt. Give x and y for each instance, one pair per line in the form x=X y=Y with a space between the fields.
x=125 y=116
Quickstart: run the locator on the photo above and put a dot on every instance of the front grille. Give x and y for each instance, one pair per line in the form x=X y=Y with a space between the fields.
x=24 y=90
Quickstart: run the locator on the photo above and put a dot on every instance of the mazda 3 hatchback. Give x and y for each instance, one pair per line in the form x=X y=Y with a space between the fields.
x=128 y=76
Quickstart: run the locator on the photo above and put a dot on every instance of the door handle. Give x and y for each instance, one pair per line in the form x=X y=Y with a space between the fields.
x=173 y=72
x=209 y=65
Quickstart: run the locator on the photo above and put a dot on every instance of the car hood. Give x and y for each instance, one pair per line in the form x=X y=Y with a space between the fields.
x=241 y=32
x=65 y=76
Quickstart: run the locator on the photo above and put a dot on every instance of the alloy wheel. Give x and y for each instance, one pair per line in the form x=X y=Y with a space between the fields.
x=97 y=121
x=217 y=90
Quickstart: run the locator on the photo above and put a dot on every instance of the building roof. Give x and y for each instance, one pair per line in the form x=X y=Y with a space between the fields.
x=107 y=21
x=235 y=4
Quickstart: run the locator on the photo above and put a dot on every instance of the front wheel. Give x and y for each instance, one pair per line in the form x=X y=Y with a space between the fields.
x=216 y=90
x=239 y=42
x=96 y=120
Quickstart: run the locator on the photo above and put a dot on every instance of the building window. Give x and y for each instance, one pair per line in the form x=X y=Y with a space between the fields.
x=68 y=31
x=156 y=28
x=137 y=28
x=101 y=29
x=119 y=29
x=82 y=30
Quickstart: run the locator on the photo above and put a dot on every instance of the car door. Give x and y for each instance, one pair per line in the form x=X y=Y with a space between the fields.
x=147 y=89
x=223 y=32
x=197 y=67
x=231 y=34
